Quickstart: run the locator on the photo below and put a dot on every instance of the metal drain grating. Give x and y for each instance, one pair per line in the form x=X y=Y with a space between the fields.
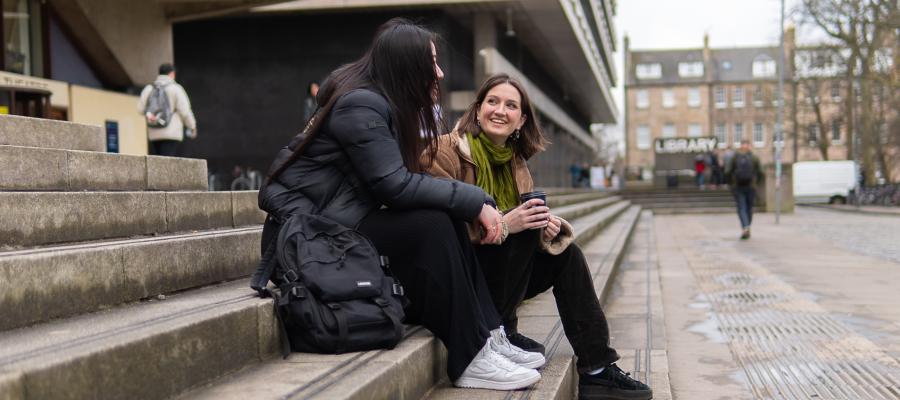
x=789 y=346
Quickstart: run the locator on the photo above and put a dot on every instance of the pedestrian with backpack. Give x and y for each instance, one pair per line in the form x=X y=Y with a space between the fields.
x=167 y=111
x=744 y=173
x=350 y=188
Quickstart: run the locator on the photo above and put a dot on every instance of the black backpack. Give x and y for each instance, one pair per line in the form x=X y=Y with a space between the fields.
x=743 y=169
x=336 y=295
x=158 y=106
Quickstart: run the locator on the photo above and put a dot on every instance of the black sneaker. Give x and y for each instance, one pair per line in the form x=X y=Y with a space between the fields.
x=612 y=384
x=525 y=343
x=745 y=234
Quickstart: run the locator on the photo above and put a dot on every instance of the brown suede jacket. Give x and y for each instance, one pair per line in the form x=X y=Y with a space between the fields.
x=454 y=161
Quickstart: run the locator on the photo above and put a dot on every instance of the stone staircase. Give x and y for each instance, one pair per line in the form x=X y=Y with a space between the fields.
x=679 y=201
x=121 y=277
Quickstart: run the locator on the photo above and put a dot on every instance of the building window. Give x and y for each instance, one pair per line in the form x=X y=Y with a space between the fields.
x=813 y=131
x=721 y=135
x=738 y=100
x=836 y=131
x=759 y=134
x=16 y=35
x=721 y=98
x=692 y=69
x=694 y=130
x=738 y=132
x=643 y=137
x=763 y=67
x=668 y=98
x=758 y=96
x=648 y=71
x=668 y=131
x=836 y=91
x=643 y=99
x=694 y=97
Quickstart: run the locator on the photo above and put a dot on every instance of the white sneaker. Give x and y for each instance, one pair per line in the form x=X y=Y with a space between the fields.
x=490 y=370
x=527 y=359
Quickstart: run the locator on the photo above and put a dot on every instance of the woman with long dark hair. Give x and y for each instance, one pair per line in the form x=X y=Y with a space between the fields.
x=493 y=140
x=358 y=163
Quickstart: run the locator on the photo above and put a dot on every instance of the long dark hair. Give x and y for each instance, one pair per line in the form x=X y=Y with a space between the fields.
x=398 y=64
x=531 y=137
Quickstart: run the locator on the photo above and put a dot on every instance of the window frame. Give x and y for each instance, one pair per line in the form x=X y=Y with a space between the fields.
x=836 y=127
x=723 y=101
x=637 y=137
x=642 y=94
x=688 y=69
x=737 y=100
x=674 y=130
x=691 y=130
x=699 y=98
x=642 y=67
x=759 y=130
x=812 y=133
x=764 y=67
x=738 y=134
x=668 y=98
x=720 y=131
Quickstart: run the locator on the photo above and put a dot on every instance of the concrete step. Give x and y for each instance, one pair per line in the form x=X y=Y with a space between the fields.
x=50 y=134
x=38 y=218
x=676 y=194
x=406 y=372
x=685 y=204
x=32 y=168
x=576 y=210
x=559 y=191
x=538 y=319
x=61 y=281
x=560 y=200
x=148 y=350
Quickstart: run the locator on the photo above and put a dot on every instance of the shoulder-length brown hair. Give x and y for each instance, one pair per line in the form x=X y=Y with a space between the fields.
x=531 y=138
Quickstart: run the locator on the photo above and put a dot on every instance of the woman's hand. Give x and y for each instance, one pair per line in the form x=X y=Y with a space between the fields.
x=490 y=221
x=529 y=215
x=552 y=229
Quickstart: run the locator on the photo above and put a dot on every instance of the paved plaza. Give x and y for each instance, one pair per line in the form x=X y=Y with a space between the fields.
x=804 y=309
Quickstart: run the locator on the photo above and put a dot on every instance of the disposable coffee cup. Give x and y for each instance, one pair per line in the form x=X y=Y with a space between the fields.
x=539 y=194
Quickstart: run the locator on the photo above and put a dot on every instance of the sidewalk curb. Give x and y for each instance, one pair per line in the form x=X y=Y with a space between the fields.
x=850 y=210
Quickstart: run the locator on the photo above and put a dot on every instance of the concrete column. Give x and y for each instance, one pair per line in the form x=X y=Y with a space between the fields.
x=485 y=33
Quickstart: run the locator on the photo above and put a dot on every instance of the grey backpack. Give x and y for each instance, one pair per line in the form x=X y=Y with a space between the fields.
x=158 y=106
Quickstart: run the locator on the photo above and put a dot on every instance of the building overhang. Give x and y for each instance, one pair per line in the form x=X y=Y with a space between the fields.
x=557 y=31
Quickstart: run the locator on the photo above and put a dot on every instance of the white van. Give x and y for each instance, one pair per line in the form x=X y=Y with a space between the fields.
x=824 y=181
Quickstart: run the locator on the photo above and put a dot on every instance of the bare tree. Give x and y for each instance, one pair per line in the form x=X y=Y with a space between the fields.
x=860 y=26
x=813 y=89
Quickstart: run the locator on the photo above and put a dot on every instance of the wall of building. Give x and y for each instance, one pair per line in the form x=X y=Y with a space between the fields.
x=95 y=107
x=135 y=31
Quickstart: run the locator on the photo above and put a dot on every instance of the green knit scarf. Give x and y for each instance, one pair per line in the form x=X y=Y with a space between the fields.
x=494 y=170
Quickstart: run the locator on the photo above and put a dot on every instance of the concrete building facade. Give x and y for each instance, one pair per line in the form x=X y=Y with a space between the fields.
x=246 y=64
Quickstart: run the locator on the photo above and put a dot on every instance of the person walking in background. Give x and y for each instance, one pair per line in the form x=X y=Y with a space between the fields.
x=715 y=169
x=744 y=174
x=575 y=172
x=699 y=169
x=309 y=103
x=358 y=164
x=496 y=136
x=167 y=110
x=585 y=178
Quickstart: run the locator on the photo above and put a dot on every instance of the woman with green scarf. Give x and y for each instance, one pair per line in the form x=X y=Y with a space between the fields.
x=495 y=137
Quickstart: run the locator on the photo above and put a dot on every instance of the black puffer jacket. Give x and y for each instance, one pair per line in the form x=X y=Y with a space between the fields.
x=353 y=166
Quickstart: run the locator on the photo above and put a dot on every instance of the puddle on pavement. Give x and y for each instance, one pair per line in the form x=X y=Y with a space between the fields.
x=709 y=329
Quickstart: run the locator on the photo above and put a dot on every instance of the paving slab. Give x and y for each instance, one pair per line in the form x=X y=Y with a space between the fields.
x=52 y=134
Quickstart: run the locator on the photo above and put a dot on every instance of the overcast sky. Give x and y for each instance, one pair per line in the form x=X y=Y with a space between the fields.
x=673 y=24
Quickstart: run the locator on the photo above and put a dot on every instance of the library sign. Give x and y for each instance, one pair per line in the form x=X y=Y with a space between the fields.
x=694 y=145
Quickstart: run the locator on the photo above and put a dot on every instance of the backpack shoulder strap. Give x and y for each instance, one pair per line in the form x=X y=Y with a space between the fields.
x=267 y=263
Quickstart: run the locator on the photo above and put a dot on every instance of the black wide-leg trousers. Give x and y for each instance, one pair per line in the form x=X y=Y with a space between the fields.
x=518 y=270
x=432 y=257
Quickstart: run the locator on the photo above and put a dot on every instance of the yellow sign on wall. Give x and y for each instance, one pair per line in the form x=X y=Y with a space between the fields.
x=4 y=110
